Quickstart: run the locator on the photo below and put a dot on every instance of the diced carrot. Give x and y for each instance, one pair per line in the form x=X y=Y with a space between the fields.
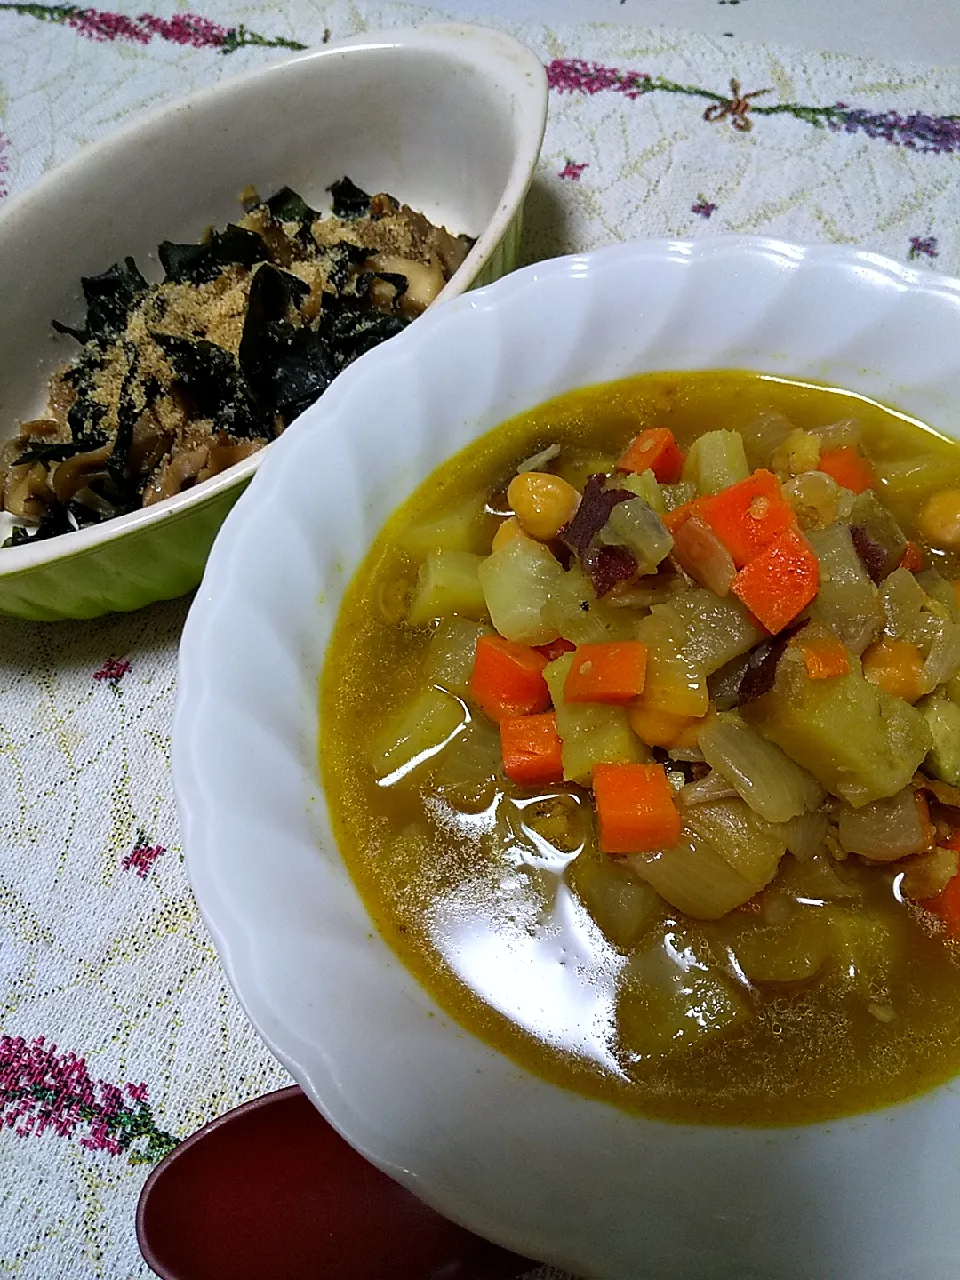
x=530 y=749
x=780 y=582
x=636 y=810
x=946 y=904
x=896 y=666
x=824 y=657
x=848 y=467
x=654 y=450
x=952 y=841
x=555 y=649
x=748 y=515
x=912 y=558
x=697 y=549
x=663 y=728
x=507 y=678
x=610 y=672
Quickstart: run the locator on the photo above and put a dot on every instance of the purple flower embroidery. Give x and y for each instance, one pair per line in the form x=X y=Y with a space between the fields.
x=916 y=132
x=923 y=247
x=41 y=1089
x=703 y=207
x=113 y=671
x=142 y=856
x=572 y=171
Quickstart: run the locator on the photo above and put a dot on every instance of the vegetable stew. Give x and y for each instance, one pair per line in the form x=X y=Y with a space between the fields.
x=641 y=739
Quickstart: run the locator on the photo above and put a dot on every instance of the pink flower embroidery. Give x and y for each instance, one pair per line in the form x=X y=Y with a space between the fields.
x=142 y=856
x=572 y=171
x=576 y=75
x=113 y=671
x=703 y=207
x=188 y=29
x=42 y=1089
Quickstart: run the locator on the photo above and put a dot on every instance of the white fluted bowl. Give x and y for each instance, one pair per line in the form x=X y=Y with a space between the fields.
x=532 y=1165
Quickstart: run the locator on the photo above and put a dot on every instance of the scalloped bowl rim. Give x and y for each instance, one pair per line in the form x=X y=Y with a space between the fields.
x=517 y=1188
x=472 y=43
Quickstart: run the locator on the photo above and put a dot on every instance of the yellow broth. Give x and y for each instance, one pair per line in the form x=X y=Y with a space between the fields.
x=490 y=902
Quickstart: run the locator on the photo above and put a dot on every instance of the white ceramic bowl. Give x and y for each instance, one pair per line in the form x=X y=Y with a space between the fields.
x=536 y=1167
x=448 y=118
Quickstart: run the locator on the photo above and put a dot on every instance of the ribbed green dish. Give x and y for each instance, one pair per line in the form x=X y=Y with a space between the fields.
x=138 y=567
x=233 y=134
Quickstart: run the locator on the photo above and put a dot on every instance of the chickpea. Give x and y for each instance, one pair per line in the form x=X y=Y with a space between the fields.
x=940 y=519
x=543 y=503
x=507 y=530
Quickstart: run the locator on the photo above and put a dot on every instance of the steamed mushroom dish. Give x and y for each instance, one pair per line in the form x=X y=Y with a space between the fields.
x=640 y=733
x=179 y=380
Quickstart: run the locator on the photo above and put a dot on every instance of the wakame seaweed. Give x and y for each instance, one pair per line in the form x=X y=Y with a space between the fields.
x=199 y=263
x=349 y=200
x=110 y=298
x=287 y=206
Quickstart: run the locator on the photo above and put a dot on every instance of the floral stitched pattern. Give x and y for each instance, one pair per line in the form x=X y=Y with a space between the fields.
x=42 y=1089
x=142 y=856
x=112 y=671
x=572 y=171
x=916 y=131
x=184 y=28
x=704 y=207
x=923 y=247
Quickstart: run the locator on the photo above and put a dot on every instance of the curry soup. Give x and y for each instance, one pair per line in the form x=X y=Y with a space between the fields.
x=641 y=740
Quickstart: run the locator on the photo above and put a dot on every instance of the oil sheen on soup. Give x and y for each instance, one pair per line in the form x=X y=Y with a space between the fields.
x=640 y=730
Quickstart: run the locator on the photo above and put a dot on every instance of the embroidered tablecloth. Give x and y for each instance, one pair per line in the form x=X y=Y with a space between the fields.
x=119 y=1034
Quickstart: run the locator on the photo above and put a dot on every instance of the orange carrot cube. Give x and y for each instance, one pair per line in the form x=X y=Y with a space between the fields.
x=780 y=581
x=654 y=450
x=636 y=810
x=507 y=678
x=824 y=657
x=848 y=467
x=530 y=749
x=609 y=672
x=748 y=516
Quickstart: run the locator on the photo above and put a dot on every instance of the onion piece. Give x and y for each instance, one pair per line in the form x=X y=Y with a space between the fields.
x=805 y=834
x=706 y=790
x=697 y=549
x=902 y=599
x=847 y=602
x=724 y=856
x=943 y=660
x=941 y=791
x=835 y=435
x=539 y=460
x=887 y=829
x=773 y=785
